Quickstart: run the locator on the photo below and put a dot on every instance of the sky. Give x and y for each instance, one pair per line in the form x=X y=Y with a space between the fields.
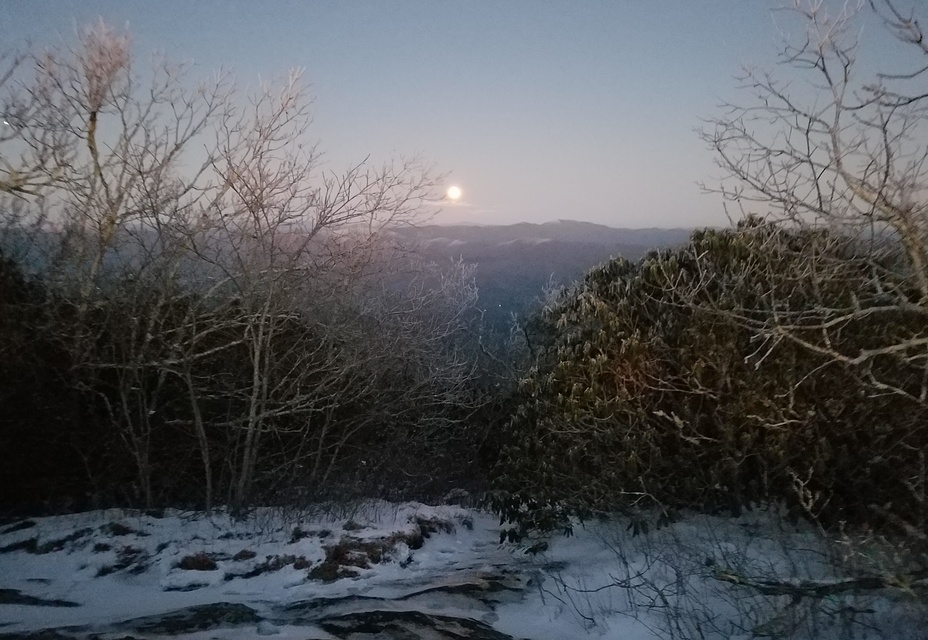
x=538 y=110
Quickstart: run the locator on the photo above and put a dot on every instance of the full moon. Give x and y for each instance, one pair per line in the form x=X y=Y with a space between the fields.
x=454 y=193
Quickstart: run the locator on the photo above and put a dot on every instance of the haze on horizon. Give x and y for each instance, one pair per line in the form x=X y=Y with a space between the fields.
x=539 y=111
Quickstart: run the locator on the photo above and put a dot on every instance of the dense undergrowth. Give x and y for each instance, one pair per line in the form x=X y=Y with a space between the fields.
x=99 y=410
x=667 y=384
x=651 y=389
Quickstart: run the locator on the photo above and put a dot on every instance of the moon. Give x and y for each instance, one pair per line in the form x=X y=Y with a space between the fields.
x=454 y=193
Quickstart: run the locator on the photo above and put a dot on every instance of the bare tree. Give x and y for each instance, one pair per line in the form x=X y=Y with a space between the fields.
x=847 y=152
x=210 y=261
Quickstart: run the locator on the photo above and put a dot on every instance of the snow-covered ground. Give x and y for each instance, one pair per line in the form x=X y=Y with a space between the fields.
x=412 y=570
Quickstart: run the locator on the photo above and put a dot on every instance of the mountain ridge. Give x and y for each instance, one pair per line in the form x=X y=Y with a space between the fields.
x=563 y=230
x=515 y=262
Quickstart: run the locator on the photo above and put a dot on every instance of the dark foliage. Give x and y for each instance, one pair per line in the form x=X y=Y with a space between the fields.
x=657 y=389
x=96 y=410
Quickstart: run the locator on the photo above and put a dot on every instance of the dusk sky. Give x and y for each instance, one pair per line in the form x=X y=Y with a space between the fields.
x=538 y=110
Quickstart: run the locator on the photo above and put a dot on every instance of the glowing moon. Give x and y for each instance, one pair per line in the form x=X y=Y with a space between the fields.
x=454 y=193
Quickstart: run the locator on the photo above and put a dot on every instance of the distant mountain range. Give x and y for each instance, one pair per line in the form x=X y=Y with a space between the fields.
x=515 y=262
x=570 y=231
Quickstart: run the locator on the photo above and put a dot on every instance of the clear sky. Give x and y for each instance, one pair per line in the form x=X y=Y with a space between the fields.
x=540 y=110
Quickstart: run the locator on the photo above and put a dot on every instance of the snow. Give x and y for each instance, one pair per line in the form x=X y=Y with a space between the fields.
x=603 y=582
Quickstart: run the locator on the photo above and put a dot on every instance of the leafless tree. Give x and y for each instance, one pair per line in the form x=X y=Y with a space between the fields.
x=190 y=226
x=829 y=146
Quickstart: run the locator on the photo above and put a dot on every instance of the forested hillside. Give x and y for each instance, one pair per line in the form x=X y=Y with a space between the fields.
x=515 y=263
